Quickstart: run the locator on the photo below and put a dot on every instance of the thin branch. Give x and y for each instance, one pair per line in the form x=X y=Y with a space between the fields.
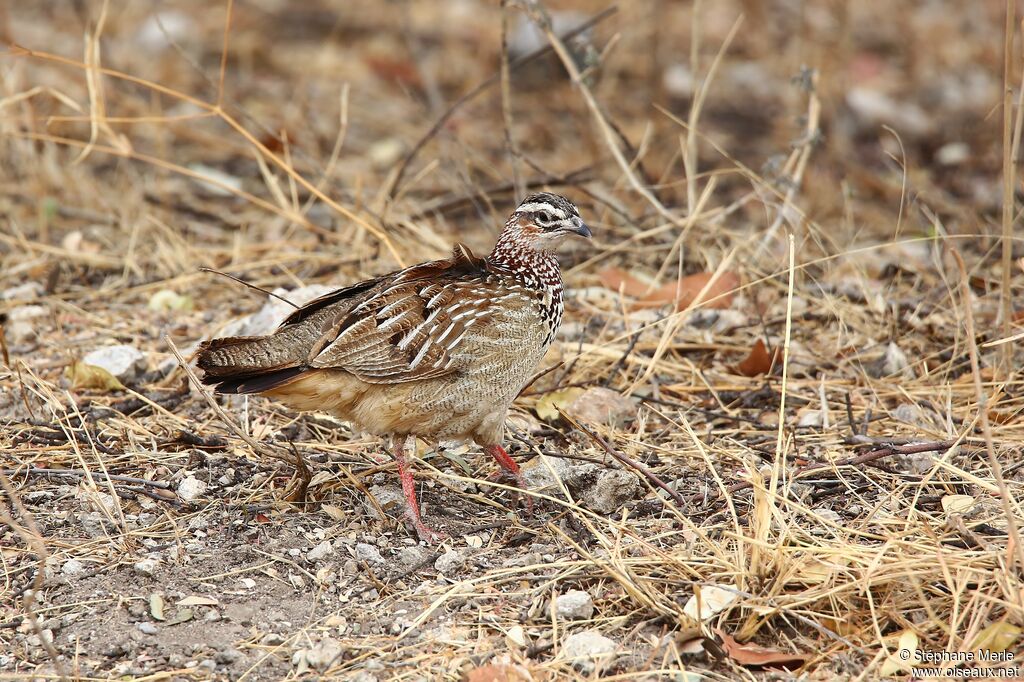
x=396 y=183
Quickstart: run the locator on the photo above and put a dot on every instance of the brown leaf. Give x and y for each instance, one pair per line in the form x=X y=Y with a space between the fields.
x=499 y=673
x=90 y=376
x=755 y=656
x=683 y=292
x=394 y=69
x=618 y=279
x=758 y=361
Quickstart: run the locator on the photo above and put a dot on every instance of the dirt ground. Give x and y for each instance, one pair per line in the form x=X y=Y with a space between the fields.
x=778 y=435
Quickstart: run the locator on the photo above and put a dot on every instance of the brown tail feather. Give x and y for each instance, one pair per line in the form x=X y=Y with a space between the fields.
x=254 y=383
x=237 y=356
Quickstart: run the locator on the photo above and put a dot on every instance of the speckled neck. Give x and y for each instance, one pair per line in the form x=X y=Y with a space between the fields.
x=534 y=270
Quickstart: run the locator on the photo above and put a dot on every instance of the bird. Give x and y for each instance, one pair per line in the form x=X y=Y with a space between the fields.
x=436 y=351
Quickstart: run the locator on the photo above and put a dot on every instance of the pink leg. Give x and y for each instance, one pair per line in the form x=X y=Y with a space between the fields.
x=399 y=447
x=509 y=466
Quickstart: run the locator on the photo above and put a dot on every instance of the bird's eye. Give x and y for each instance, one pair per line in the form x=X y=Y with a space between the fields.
x=544 y=217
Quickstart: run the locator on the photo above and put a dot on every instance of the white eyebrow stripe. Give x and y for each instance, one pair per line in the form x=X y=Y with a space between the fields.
x=539 y=206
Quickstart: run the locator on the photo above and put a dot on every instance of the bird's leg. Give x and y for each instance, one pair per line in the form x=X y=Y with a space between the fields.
x=400 y=445
x=509 y=466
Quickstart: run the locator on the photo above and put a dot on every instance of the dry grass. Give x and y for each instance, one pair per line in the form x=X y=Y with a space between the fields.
x=863 y=496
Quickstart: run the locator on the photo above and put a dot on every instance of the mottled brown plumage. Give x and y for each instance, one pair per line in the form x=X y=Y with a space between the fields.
x=438 y=350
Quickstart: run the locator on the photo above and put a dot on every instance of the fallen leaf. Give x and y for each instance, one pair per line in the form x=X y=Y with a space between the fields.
x=156 y=606
x=547 y=407
x=499 y=673
x=997 y=637
x=618 y=279
x=516 y=637
x=91 y=376
x=759 y=657
x=198 y=601
x=599 y=405
x=397 y=70
x=708 y=600
x=758 y=361
x=181 y=616
x=336 y=513
x=166 y=299
x=683 y=292
x=895 y=663
x=957 y=504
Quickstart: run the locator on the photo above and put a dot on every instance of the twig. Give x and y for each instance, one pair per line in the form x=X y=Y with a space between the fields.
x=300 y=465
x=483 y=85
x=862 y=458
x=986 y=427
x=251 y=286
x=506 y=104
x=39 y=471
x=540 y=15
x=1011 y=137
x=628 y=461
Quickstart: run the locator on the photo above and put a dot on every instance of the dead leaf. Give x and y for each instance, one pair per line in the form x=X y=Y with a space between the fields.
x=336 y=513
x=896 y=662
x=759 y=657
x=618 y=279
x=499 y=673
x=683 y=292
x=198 y=601
x=957 y=504
x=758 y=361
x=91 y=376
x=547 y=407
x=181 y=616
x=156 y=606
x=707 y=600
x=997 y=637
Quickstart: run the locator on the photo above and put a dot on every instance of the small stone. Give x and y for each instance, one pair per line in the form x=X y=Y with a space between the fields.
x=953 y=154
x=23 y=322
x=146 y=567
x=449 y=562
x=240 y=613
x=602 y=490
x=321 y=551
x=228 y=656
x=388 y=497
x=274 y=311
x=123 y=362
x=72 y=567
x=324 y=654
x=191 y=488
x=585 y=649
x=412 y=556
x=146 y=628
x=574 y=605
x=369 y=553
x=272 y=639
x=23 y=292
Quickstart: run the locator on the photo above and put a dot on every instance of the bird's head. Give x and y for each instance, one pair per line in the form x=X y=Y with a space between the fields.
x=543 y=221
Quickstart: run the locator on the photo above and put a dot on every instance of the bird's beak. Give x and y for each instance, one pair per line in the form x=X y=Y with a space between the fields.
x=579 y=227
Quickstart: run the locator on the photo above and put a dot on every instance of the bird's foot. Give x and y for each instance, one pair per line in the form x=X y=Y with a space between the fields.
x=510 y=472
x=426 y=533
